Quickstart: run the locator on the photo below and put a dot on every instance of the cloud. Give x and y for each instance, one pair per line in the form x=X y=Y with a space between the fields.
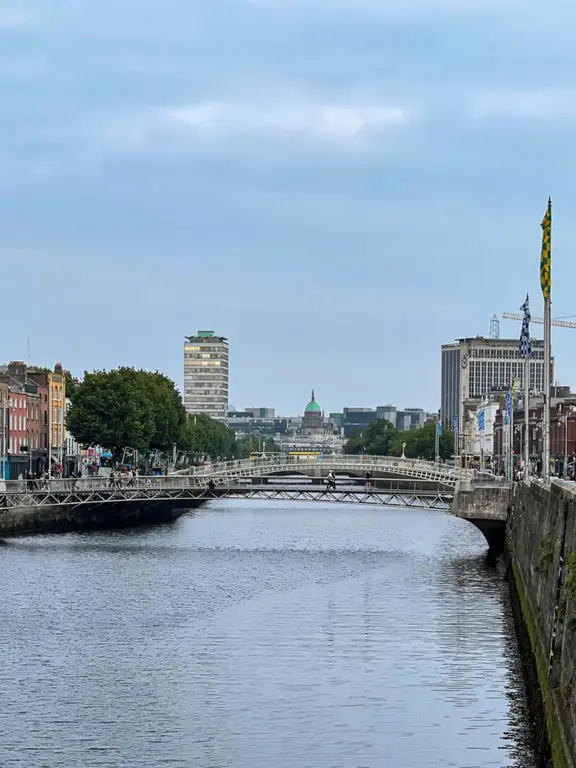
x=533 y=105
x=388 y=7
x=308 y=120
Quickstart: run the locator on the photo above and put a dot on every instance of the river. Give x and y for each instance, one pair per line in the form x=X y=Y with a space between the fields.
x=261 y=635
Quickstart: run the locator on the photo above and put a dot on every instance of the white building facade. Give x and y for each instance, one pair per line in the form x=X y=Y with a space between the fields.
x=476 y=441
x=206 y=375
x=475 y=368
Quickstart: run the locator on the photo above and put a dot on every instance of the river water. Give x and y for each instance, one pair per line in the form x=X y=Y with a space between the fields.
x=261 y=635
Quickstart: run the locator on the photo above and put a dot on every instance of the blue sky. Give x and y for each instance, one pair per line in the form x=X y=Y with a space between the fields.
x=338 y=186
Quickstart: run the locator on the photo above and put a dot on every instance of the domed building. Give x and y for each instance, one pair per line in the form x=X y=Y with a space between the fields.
x=313 y=419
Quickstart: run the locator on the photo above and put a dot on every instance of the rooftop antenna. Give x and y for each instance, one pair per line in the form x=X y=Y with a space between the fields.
x=494 y=327
x=29 y=352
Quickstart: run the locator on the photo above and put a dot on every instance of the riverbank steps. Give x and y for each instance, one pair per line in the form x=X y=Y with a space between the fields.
x=541 y=552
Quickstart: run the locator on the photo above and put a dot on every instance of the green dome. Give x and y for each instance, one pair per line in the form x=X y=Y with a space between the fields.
x=313 y=406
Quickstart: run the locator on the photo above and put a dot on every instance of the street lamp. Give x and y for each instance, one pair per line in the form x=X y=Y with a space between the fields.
x=519 y=429
x=564 y=420
x=538 y=436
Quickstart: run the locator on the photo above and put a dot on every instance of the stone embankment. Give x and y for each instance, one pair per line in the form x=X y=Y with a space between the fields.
x=541 y=550
x=485 y=505
x=85 y=517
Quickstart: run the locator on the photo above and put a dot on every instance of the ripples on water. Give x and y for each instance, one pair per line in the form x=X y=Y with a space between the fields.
x=296 y=636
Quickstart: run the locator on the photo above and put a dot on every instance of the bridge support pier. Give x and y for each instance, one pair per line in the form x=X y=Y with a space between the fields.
x=485 y=505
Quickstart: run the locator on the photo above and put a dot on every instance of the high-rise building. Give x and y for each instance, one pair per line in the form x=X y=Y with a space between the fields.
x=206 y=375
x=474 y=368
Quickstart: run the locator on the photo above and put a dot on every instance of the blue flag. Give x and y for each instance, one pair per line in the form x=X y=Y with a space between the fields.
x=525 y=345
x=439 y=428
x=481 y=420
x=455 y=425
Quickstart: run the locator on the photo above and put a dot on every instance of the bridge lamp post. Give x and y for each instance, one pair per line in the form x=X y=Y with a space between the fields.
x=538 y=435
x=564 y=420
x=518 y=429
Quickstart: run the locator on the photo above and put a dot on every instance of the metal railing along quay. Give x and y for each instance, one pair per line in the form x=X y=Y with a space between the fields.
x=234 y=471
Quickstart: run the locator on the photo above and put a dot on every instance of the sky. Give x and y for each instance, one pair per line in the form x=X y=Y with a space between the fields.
x=336 y=186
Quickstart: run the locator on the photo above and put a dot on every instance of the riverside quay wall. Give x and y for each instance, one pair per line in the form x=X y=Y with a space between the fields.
x=541 y=547
x=84 y=517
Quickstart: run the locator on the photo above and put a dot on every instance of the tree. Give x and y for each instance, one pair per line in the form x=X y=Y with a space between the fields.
x=168 y=410
x=373 y=441
x=126 y=408
x=421 y=443
x=112 y=409
x=248 y=445
x=206 y=437
x=71 y=385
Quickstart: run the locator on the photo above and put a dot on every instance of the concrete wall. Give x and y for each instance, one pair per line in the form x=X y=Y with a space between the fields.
x=84 y=517
x=485 y=505
x=541 y=538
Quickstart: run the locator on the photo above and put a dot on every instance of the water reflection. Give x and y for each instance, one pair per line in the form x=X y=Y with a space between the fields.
x=296 y=636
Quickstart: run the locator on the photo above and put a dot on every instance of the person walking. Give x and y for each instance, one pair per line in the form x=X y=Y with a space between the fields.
x=368 y=478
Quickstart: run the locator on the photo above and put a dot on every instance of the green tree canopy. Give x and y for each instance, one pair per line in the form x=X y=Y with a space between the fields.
x=374 y=440
x=126 y=408
x=169 y=413
x=420 y=443
x=206 y=437
x=248 y=445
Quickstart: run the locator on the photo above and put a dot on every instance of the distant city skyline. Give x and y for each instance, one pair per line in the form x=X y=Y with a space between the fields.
x=338 y=205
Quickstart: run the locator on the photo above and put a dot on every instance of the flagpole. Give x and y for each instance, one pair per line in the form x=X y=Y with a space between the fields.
x=511 y=430
x=546 y=420
x=526 y=418
x=546 y=285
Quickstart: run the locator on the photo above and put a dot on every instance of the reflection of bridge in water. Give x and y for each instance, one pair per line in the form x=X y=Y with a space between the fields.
x=394 y=482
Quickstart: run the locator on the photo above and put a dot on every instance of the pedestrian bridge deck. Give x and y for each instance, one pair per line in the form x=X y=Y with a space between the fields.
x=397 y=492
x=407 y=478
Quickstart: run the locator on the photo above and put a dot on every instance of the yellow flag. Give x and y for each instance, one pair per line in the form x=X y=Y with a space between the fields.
x=546 y=255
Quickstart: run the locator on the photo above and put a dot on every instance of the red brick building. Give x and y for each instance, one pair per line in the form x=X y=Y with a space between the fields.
x=562 y=430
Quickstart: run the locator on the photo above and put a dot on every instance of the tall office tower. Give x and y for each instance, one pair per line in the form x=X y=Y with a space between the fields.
x=206 y=375
x=473 y=368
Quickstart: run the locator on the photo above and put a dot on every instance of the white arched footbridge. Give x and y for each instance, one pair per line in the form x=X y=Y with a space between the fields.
x=393 y=482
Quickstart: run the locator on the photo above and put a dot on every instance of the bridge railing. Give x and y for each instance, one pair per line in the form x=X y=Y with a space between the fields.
x=86 y=484
x=236 y=470
x=335 y=461
x=61 y=488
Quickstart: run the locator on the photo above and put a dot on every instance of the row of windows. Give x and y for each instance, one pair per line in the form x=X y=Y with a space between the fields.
x=221 y=348
x=220 y=384
x=203 y=364
x=17 y=422
x=205 y=356
x=34 y=442
x=508 y=354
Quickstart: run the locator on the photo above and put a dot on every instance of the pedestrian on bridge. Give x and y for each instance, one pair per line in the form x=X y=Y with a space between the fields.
x=331 y=481
x=368 y=478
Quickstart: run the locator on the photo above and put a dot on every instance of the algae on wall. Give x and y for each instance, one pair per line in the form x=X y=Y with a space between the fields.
x=542 y=547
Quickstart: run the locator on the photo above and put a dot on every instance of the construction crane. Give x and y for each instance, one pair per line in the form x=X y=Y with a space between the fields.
x=540 y=320
x=494 y=327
